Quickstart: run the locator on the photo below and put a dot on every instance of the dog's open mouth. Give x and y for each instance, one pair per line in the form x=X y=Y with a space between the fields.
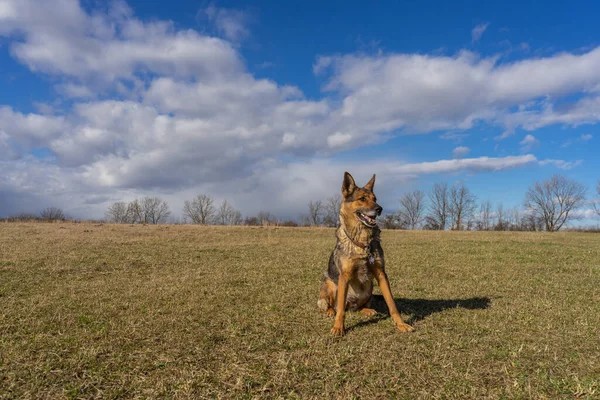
x=367 y=220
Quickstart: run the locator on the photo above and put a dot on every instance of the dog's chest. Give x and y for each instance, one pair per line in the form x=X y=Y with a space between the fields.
x=364 y=269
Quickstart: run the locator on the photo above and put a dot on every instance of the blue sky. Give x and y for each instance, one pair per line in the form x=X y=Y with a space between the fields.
x=267 y=103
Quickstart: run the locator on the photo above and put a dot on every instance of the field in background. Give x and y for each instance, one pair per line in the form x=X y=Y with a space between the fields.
x=119 y=311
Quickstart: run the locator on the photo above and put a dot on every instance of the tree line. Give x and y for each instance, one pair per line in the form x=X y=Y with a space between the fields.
x=48 y=214
x=547 y=206
x=200 y=210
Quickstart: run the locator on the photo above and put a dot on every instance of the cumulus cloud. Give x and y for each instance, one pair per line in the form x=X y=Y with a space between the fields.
x=423 y=93
x=30 y=130
x=460 y=152
x=230 y=23
x=159 y=110
x=480 y=164
x=32 y=184
x=60 y=38
x=529 y=142
x=536 y=115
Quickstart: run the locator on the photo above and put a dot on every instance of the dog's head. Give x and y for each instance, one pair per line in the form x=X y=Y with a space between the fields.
x=359 y=204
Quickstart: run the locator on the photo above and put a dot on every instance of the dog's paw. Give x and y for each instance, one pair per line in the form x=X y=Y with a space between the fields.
x=330 y=312
x=337 y=330
x=404 y=327
x=369 y=312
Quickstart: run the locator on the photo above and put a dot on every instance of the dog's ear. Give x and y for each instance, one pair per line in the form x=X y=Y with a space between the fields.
x=371 y=183
x=348 y=185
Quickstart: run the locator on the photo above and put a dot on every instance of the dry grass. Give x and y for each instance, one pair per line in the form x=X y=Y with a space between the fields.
x=107 y=311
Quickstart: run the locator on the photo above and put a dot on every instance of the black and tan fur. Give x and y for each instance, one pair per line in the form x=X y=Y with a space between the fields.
x=356 y=259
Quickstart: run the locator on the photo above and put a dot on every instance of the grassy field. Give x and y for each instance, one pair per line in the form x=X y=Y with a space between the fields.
x=107 y=311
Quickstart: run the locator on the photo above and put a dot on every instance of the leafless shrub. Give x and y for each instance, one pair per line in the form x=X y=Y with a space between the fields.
x=390 y=221
x=52 y=214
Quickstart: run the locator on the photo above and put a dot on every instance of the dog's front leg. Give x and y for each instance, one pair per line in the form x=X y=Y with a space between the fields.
x=342 y=292
x=384 y=286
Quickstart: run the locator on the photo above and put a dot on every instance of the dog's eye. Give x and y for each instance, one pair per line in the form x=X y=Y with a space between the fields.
x=363 y=198
x=375 y=199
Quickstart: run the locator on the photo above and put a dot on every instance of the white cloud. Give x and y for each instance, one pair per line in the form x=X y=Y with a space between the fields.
x=457 y=137
x=528 y=143
x=230 y=23
x=480 y=164
x=188 y=116
x=30 y=130
x=585 y=214
x=6 y=149
x=538 y=115
x=423 y=93
x=566 y=165
x=281 y=188
x=73 y=90
x=460 y=152
x=585 y=137
x=338 y=139
x=478 y=31
x=60 y=38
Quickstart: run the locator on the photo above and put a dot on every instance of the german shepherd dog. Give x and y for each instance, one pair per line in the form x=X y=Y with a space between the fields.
x=356 y=259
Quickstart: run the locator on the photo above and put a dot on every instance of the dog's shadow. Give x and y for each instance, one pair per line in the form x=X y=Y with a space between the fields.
x=419 y=309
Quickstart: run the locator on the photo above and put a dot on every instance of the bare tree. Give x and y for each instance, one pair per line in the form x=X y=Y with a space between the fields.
x=117 y=212
x=315 y=212
x=438 y=207
x=332 y=210
x=500 y=218
x=228 y=215
x=485 y=216
x=431 y=224
x=597 y=202
x=266 y=218
x=251 y=221
x=135 y=213
x=554 y=199
x=154 y=210
x=200 y=210
x=412 y=206
x=52 y=213
x=529 y=222
x=515 y=222
x=462 y=206
x=304 y=220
